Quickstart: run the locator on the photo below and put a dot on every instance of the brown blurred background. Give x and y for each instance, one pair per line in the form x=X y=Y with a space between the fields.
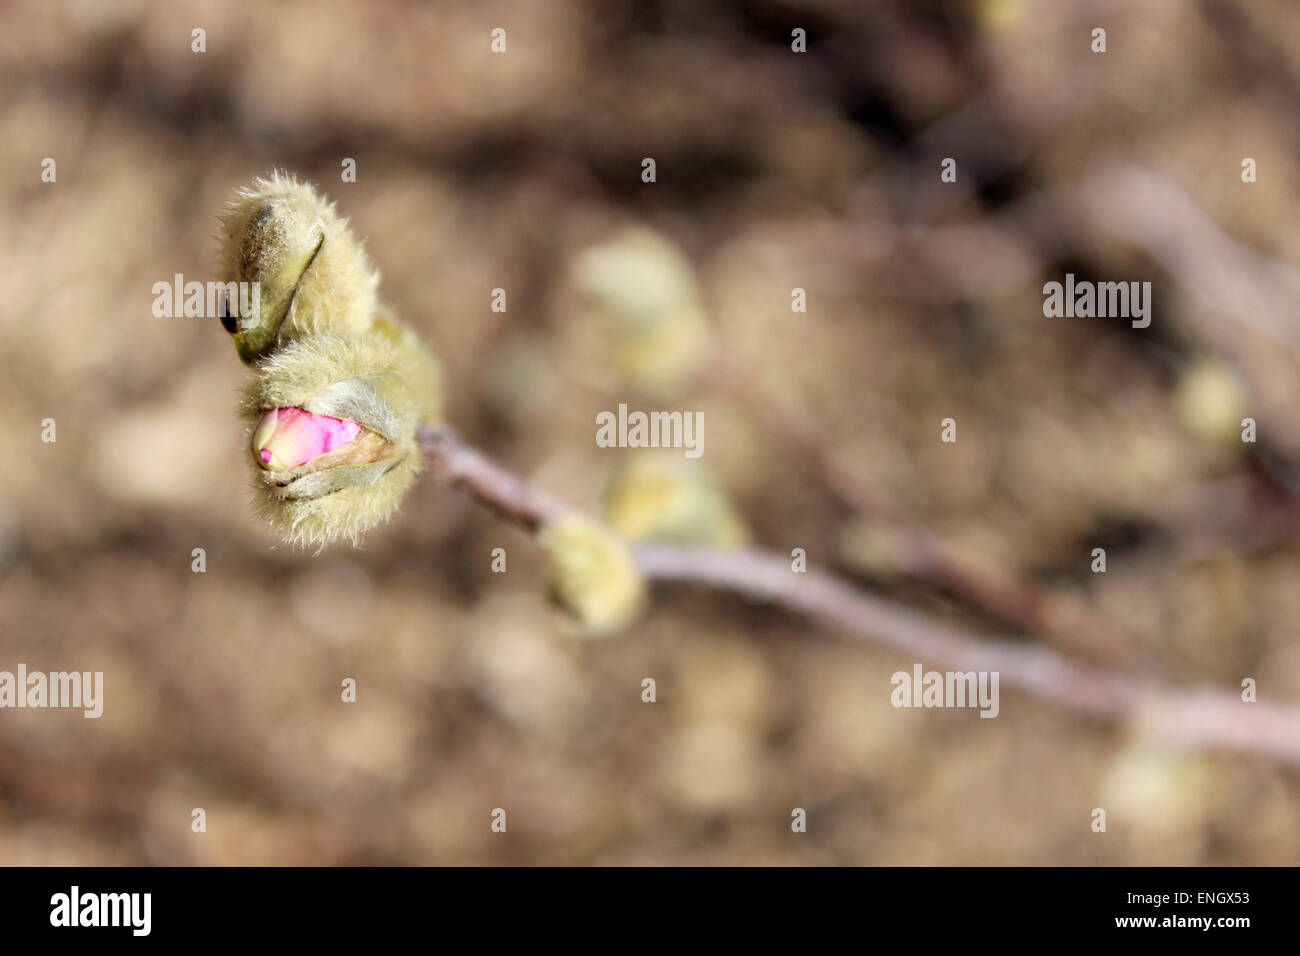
x=775 y=170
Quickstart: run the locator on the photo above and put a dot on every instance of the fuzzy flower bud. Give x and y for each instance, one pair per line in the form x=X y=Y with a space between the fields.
x=333 y=422
x=592 y=573
x=645 y=295
x=311 y=271
x=663 y=498
x=340 y=386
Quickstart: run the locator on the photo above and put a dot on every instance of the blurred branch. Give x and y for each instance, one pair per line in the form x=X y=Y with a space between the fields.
x=1228 y=276
x=1115 y=197
x=1203 y=718
x=996 y=590
x=1206 y=718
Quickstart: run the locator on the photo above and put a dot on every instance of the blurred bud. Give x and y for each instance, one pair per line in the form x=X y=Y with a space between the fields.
x=1160 y=791
x=1211 y=400
x=871 y=547
x=592 y=573
x=311 y=272
x=663 y=498
x=644 y=293
x=997 y=16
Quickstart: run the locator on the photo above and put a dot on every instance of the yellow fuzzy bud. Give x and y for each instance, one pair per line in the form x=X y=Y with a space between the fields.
x=592 y=573
x=664 y=498
x=1211 y=400
x=312 y=273
x=384 y=382
x=340 y=387
x=645 y=295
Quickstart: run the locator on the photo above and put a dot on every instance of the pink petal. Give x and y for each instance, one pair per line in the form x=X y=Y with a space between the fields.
x=288 y=437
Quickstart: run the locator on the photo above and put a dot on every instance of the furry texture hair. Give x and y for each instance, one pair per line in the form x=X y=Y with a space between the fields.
x=592 y=573
x=645 y=298
x=313 y=274
x=664 y=498
x=325 y=345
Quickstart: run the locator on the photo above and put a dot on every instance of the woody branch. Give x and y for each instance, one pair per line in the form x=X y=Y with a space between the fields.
x=1192 y=717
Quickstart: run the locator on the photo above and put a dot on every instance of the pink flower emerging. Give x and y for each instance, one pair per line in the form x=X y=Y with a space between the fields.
x=288 y=437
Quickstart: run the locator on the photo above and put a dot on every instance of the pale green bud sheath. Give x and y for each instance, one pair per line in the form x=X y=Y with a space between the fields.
x=310 y=272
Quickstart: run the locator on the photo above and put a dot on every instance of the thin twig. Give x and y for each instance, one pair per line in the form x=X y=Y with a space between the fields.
x=1201 y=718
x=995 y=589
x=1222 y=272
x=455 y=463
